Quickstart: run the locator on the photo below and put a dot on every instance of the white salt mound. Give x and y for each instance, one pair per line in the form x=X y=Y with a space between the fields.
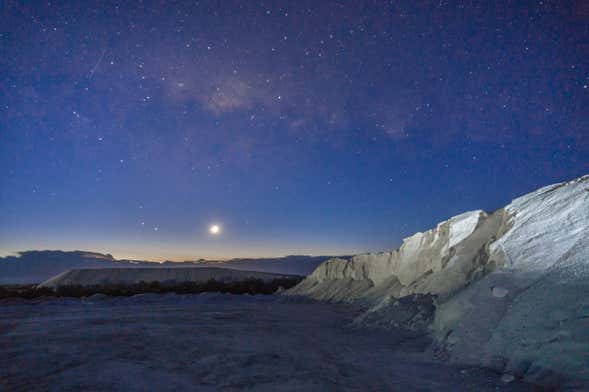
x=512 y=285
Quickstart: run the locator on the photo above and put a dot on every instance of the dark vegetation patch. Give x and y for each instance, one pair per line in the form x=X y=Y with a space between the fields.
x=248 y=286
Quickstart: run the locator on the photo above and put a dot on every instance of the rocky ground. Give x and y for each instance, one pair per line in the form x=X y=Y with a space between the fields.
x=214 y=342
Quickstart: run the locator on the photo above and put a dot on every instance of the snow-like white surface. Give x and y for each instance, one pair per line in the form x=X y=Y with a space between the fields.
x=461 y=226
x=545 y=224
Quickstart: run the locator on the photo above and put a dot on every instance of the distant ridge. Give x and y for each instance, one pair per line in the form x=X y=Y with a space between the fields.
x=35 y=266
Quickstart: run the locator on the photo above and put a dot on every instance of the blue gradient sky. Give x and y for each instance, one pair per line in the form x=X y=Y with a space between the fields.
x=301 y=127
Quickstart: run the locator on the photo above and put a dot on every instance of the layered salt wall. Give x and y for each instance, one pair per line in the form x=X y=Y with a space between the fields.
x=511 y=288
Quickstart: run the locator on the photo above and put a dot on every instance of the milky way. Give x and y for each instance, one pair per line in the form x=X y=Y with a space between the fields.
x=301 y=127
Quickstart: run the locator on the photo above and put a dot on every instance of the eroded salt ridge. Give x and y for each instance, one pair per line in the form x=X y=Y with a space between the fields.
x=438 y=261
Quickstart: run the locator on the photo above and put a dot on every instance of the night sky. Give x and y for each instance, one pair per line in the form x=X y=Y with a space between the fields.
x=300 y=127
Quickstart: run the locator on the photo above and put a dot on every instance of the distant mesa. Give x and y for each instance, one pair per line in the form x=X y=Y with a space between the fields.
x=106 y=277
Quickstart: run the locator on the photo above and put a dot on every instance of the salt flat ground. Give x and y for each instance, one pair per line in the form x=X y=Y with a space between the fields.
x=212 y=342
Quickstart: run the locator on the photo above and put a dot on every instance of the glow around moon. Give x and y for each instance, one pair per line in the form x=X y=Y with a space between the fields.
x=215 y=229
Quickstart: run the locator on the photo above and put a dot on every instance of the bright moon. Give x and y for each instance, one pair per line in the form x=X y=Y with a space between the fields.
x=214 y=229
